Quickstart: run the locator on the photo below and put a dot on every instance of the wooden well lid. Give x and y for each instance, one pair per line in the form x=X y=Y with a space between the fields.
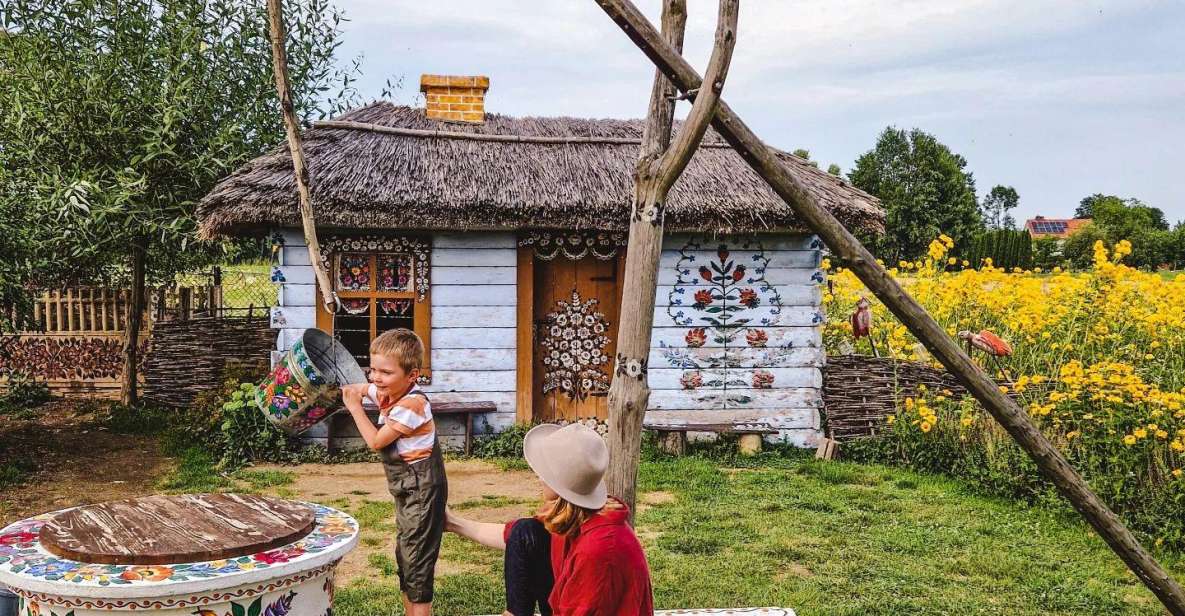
x=158 y=530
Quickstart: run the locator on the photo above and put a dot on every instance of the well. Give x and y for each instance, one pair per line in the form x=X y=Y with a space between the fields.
x=208 y=554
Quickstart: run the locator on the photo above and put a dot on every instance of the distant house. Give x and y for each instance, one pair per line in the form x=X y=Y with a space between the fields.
x=1058 y=228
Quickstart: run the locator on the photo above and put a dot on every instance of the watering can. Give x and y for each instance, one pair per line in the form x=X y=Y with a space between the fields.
x=303 y=388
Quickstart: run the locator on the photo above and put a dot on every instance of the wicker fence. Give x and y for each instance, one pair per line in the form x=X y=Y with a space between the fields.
x=188 y=357
x=860 y=390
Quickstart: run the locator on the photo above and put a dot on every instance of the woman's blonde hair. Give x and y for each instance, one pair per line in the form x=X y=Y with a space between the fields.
x=561 y=517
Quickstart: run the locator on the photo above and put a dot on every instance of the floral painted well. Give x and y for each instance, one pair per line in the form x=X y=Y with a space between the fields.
x=294 y=579
x=303 y=387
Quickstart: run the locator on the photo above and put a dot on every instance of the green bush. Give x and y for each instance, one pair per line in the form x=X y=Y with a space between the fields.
x=23 y=394
x=247 y=435
x=505 y=444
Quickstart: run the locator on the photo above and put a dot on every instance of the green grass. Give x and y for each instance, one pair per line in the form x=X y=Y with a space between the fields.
x=823 y=538
x=12 y=473
x=488 y=501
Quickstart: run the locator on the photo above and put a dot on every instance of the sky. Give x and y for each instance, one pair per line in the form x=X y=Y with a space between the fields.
x=1056 y=98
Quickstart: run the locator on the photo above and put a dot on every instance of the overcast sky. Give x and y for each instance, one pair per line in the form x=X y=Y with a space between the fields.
x=1058 y=98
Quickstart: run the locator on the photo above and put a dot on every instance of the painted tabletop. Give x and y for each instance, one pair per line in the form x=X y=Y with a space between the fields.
x=26 y=565
x=157 y=530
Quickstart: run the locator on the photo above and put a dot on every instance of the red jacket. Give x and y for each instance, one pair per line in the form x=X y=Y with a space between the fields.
x=601 y=572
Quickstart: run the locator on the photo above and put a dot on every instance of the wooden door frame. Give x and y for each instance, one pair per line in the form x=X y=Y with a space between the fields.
x=525 y=323
x=524 y=338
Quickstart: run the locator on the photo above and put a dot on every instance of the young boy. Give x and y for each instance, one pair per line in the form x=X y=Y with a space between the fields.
x=411 y=456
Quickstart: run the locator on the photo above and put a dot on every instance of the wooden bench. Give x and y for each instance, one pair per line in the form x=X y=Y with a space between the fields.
x=468 y=409
x=341 y=427
x=672 y=438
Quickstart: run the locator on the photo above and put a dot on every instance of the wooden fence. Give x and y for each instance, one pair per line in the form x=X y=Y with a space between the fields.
x=77 y=344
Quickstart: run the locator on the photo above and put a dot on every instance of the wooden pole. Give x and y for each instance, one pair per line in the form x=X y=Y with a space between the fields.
x=764 y=161
x=660 y=163
x=275 y=13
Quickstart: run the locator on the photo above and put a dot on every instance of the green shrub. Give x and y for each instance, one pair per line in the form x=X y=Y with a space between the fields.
x=23 y=393
x=505 y=444
x=247 y=435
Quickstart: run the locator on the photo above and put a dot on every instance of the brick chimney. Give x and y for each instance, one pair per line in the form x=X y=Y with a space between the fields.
x=455 y=98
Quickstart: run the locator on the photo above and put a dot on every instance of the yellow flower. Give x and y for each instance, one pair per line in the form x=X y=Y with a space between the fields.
x=966 y=421
x=890 y=419
x=925 y=426
x=1129 y=440
x=1177 y=472
x=1140 y=433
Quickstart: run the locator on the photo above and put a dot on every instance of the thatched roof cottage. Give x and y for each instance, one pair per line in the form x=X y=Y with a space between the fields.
x=499 y=240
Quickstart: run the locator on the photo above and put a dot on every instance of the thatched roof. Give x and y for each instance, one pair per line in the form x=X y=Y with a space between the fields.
x=364 y=179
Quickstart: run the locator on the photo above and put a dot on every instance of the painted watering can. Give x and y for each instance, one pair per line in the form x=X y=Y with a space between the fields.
x=304 y=386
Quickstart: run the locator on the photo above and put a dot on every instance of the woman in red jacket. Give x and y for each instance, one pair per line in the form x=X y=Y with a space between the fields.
x=578 y=556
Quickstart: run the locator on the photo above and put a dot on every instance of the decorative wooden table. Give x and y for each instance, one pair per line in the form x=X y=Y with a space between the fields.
x=205 y=555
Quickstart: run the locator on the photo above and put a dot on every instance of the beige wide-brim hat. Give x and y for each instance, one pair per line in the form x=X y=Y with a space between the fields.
x=571 y=460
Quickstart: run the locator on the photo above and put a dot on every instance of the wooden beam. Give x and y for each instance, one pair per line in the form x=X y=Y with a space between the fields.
x=1049 y=459
x=275 y=13
x=524 y=338
x=660 y=162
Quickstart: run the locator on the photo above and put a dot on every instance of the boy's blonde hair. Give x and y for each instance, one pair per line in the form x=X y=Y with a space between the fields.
x=402 y=345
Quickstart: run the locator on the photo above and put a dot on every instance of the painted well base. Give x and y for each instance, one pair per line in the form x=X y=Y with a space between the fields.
x=305 y=594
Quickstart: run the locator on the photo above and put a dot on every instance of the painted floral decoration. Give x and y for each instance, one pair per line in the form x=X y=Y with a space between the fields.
x=353 y=272
x=696 y=337
x=756 y=337
x=575 y=349
x=21 y=553
x=763 y=379
x=691 y=380
x=394 y=272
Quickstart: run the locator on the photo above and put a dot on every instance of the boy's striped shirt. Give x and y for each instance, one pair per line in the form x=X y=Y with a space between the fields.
x=411 y=417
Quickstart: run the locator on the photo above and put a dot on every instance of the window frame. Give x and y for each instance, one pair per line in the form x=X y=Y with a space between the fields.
x=374 y=246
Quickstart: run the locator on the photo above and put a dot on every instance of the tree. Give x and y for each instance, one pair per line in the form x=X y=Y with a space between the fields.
x=924 y=189
x=834 y=169
x=1078 y=249
x=116 y=117
x=997 y=205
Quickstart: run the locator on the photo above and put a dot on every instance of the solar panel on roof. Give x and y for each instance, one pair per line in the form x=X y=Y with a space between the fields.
x=1045 y=226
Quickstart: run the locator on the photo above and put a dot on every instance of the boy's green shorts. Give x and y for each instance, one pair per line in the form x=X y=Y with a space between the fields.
x=421 y=493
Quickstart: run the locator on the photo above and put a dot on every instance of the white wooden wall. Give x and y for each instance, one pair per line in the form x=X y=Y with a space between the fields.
x=793 y=355
x=473 y=322
x=473 y=335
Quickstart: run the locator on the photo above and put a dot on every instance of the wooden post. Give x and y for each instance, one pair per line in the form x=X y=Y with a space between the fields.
x=659 y=165
x=275 y=13
x=763 y=159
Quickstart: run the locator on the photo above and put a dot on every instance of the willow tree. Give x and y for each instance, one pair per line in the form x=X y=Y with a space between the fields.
x=116 y=116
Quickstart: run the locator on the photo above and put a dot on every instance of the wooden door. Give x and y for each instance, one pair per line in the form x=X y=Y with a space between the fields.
x=575 y=309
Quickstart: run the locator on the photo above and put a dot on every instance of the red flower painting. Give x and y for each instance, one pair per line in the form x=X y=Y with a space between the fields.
x=691 y=380
x=749 y=298
x=762 y=379
x=696 y=337
x=738 y=273
x=756 y=337
x=703 y=297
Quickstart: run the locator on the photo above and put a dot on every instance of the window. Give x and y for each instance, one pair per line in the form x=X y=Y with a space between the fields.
x=382 y=284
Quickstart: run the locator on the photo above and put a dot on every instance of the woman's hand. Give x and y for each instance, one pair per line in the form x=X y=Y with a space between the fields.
x=489 y=535
x=451 y=521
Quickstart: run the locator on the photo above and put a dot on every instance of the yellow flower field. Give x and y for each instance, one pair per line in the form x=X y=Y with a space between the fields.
x=1098 y=361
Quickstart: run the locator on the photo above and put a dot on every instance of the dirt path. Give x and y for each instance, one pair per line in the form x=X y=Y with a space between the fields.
x=478 y=489
x=72 y=460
